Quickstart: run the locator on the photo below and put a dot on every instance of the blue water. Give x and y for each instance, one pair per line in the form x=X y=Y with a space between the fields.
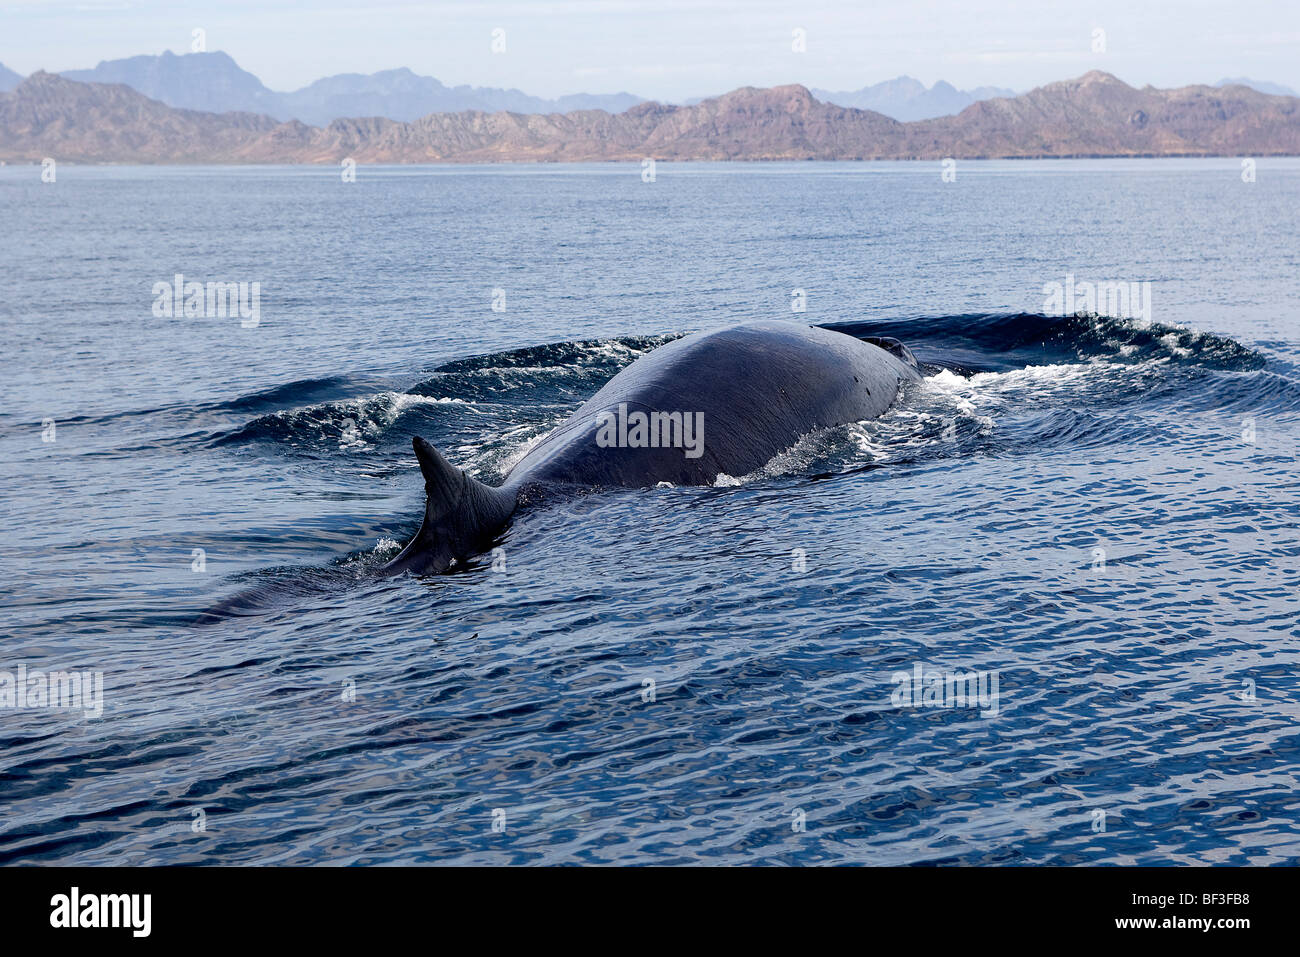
x=1074 y=504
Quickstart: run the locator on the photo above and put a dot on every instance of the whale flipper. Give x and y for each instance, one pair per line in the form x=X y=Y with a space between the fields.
x=461 y=516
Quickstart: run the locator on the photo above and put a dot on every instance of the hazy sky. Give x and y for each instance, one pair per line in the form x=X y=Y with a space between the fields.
x=672 y=49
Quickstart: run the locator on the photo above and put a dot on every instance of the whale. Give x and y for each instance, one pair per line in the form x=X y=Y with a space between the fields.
x=709 y=404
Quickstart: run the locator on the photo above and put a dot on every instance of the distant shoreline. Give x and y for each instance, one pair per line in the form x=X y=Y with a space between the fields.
x=1095 y=116
x=333 y=166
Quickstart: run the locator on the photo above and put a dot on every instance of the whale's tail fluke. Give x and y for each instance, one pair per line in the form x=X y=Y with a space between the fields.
x=462 y=516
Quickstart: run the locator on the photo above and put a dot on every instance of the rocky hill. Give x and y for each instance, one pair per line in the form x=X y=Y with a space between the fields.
x=1094 y=115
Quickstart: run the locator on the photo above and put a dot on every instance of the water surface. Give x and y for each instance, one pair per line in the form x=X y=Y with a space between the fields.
x=1101 y=511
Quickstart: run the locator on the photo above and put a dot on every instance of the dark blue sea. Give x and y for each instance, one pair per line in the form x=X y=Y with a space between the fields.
x=1097 y=511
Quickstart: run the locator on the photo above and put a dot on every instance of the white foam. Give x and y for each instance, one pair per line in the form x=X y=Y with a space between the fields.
x=1171 y=343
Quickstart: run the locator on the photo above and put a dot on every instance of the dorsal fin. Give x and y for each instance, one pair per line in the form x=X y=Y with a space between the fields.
x=443 y=482
x=461 y=515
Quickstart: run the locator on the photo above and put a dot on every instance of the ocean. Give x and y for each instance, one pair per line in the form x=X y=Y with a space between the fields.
x=1087 y=516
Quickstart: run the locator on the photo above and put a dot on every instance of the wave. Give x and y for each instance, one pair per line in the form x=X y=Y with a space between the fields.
x=514 y=394
x=554 y=373
x=996 y=383
x=986 y=342
x=288 y=393
x=611 y=353
x=350 y=424
x=997 y=386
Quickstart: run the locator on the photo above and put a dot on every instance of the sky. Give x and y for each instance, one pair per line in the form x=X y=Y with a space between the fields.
x=675 y=49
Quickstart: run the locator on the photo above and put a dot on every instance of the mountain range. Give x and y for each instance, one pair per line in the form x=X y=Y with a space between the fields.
x=215 y=83
x=1275 y=89
x=1093 y=115
x=8 y=78
x=904 y=98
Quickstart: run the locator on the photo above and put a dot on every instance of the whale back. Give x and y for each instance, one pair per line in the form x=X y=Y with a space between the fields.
x=753 y=390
